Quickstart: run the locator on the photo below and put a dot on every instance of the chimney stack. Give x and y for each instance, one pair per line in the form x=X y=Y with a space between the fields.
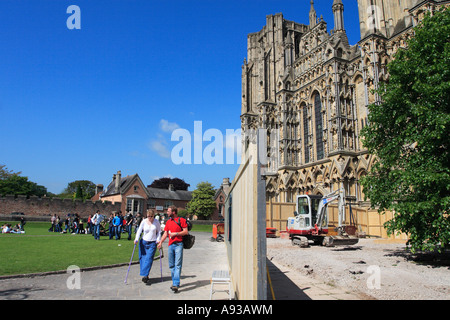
x=98 y=188
x=118 y=177
x=226 y=184
x=171 y=187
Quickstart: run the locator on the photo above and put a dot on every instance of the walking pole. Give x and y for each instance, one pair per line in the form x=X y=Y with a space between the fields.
x=130 y=263
x=160 y=261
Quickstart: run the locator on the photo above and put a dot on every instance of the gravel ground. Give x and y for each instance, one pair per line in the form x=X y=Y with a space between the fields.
x=373 y=269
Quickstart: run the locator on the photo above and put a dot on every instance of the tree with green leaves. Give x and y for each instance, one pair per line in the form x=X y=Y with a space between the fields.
x=79 y=189
x=79 y=193
x=18 y=185
x=202 y=204
x=409 y=135
x=163 y=183
x=5 y=173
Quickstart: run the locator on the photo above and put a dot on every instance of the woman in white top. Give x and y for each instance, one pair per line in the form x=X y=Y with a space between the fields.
x=151 y=230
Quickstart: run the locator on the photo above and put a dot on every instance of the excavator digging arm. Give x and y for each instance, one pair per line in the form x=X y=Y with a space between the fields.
x=338 y=194
x=342 y=238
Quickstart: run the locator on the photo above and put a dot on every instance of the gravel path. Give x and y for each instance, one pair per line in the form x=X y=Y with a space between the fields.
x=374 y=269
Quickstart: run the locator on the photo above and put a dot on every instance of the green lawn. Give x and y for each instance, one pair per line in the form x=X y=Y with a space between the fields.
x=39 y=250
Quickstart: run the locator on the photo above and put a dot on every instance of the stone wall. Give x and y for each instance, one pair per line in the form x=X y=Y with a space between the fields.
x=35 y=206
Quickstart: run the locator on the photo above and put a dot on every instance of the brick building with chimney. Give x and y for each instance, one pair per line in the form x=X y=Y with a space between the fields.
x=135 y=197
x=219 y=198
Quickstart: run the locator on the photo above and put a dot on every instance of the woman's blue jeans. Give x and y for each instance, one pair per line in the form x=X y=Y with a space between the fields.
x=117 y=232
x=147 y=250
x=176 y=262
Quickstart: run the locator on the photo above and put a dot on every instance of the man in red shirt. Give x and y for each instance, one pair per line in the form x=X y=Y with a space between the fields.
x=175 y=229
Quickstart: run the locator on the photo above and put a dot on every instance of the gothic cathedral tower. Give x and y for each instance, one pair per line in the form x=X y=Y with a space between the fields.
x=309 y=89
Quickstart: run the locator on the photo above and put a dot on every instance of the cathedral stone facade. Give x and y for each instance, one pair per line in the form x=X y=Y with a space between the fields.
x=312 y=88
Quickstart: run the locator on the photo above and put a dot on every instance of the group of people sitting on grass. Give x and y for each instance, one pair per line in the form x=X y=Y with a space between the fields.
x=18 y=228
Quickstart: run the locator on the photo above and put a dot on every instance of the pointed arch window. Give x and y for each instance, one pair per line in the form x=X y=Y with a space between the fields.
x=319 y=126
x=305 y=133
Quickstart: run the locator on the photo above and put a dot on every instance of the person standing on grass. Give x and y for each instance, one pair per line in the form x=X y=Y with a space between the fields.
x=120 y=227
x=95 y=222
x=90 y=225
x=67 y=225
x=129 y=224
x=75 y=224
x=52 y=220
x=116 y=224
x=111 y=226
x=22 y=224
x=57 y=224
x=138 y=222
x=151 y=230
x=175 y=229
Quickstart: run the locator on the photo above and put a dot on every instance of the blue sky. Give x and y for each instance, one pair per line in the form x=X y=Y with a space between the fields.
x=83 y=104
